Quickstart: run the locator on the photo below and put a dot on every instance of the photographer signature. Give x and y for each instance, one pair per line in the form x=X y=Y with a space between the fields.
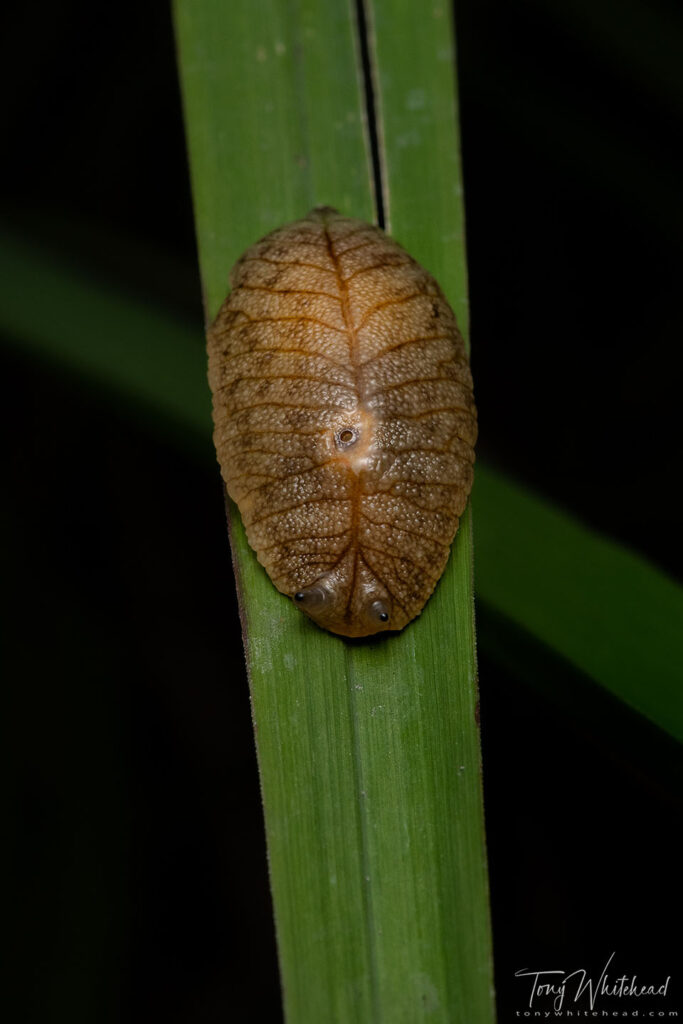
x=557 y=984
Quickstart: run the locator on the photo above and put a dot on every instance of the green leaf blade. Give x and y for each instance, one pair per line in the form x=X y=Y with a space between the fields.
x=422 y=177
x=368 y=751
x=605 y=609
x=273 y=105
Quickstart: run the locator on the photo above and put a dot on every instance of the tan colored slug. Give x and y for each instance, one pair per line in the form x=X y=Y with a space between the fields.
x=344 y=420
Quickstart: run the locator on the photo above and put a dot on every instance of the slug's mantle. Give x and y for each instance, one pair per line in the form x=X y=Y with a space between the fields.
x=344 y=420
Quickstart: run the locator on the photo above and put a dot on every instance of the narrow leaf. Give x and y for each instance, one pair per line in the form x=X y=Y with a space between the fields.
x=603 y=608
x=368 y=752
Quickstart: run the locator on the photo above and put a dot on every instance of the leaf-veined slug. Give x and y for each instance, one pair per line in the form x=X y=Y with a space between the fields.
x=344 y=419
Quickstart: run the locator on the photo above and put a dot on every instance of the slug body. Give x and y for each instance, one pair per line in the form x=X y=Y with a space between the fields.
x=344 y=420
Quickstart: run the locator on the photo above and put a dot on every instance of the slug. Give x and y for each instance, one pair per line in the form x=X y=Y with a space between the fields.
x=344 y=420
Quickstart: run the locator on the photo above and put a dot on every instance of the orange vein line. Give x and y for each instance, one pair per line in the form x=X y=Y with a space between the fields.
x=390 y=302
x=353 y=357
x=285 y=291
x=285 y=319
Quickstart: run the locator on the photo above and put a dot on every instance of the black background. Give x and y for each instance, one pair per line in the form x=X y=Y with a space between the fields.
x=137 y=879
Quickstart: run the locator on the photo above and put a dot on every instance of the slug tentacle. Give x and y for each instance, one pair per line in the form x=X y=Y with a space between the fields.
x=344 y=419
x=313 y=599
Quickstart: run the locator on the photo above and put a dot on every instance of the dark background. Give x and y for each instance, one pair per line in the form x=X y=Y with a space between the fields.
x=137 y=879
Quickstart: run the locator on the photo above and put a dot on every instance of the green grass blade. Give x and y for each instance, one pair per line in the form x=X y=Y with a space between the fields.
x=274 y=113
x=605 y=609
x=422 y=190
x=418 y=124
x=368 y=753
x=131 y=349
x=580 y=594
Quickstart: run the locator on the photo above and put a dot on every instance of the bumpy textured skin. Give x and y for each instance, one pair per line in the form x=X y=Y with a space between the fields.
x=344 y=419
